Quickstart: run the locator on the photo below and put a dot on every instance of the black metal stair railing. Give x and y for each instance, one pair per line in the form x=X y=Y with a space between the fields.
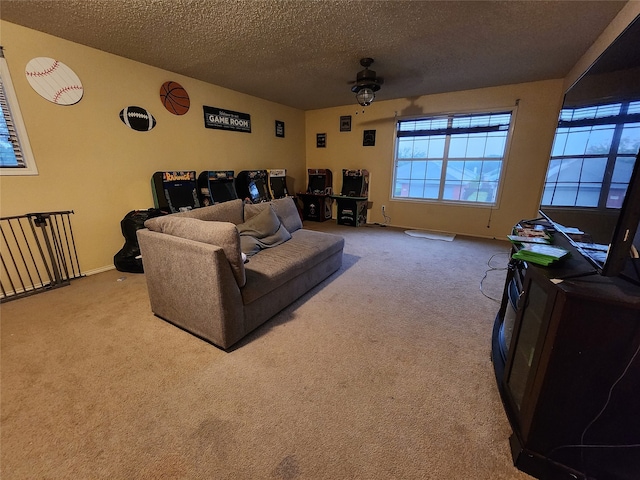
x=38 y=253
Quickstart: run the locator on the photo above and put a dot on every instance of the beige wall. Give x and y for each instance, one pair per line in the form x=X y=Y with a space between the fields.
x=91 y=163
x=535 y=122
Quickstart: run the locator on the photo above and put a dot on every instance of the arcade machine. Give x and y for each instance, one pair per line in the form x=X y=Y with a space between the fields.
x=317 y=202
x=352 y=202
x=175 y=191
x=278 y=183
x=251 y=186
x=216 y=186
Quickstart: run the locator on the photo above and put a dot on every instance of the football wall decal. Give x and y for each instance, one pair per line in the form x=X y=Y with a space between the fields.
x=137 y=118
x=175 y=98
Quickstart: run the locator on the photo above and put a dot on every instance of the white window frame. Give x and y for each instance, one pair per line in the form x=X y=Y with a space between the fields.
x=509 y=109
x=15 y=119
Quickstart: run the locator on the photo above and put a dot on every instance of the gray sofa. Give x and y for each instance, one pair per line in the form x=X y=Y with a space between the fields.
x=197 y=278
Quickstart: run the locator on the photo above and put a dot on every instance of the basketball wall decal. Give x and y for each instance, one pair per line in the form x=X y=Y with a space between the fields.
x=53 y=80
x=175 y=98
x=137 y=118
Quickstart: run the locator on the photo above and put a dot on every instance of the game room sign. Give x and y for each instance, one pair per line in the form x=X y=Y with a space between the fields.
x=226 y=119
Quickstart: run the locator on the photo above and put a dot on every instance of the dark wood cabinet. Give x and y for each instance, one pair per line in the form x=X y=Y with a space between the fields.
x=569 y=372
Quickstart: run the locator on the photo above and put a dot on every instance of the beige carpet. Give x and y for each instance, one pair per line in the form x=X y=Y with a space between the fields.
x=381 y=372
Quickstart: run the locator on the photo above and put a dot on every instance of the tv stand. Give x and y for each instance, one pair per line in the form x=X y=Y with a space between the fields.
x=632 y=274
x=569 y=371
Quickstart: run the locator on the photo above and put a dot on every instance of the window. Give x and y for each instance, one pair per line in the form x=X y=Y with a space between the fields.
x=451 y=158
x=15 y=153
x=593 y=156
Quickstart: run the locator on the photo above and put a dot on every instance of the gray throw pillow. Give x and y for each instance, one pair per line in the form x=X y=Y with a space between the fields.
x=285 y=209
x=231 y=211
x=263 y=230
x=287 y=212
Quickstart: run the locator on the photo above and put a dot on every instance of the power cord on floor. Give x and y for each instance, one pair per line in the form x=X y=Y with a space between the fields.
x=387 y=219
x=492 y=269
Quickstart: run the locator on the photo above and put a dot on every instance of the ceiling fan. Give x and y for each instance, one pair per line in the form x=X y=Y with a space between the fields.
x=366 y=84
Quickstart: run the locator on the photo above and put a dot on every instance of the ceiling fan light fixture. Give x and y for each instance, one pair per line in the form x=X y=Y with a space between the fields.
x=366 y=84
x=365 y=96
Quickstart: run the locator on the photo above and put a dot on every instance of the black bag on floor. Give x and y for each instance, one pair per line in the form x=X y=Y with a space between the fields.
x=128 y=258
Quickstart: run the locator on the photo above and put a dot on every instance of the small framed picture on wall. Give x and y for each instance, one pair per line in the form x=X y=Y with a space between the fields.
x=345 y=123
x=279 y=129
x=321 y=140
x=369 y=138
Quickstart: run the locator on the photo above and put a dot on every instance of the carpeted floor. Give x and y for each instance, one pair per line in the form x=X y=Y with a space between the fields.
x=381 y=372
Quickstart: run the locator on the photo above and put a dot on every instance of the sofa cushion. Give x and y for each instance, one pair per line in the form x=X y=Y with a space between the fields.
x=231 y=211
x=285 y=209
x=221 y=234
x=263 y=230
x=276 y=266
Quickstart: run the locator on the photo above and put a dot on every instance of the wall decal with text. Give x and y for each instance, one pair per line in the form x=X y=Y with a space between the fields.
x=224 y=119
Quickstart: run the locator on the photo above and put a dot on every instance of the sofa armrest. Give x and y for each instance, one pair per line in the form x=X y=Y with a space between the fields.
x=221 y=234
x=191 y=285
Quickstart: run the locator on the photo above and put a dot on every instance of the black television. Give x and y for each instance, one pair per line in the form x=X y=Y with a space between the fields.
x=622 y=255
x=612 y=238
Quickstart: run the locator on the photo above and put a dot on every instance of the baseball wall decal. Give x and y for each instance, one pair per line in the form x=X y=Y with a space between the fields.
x=174 y=98
x=137 y=118
x=53 y=80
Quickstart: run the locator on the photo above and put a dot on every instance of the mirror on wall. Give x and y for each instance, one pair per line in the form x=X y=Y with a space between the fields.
x=597 y=140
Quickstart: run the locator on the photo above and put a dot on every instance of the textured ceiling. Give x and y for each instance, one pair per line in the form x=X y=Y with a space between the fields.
x=305 y=53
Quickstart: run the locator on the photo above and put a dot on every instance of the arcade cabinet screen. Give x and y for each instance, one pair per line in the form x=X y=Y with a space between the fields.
x=260 y=185
x=279 y=187
x=253 y=191
x=223 y=191
x=180 y=195
x=352 y=186
x=317 y=184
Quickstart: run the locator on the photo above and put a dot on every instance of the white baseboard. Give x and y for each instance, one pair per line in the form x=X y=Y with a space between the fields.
x=95 y=271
